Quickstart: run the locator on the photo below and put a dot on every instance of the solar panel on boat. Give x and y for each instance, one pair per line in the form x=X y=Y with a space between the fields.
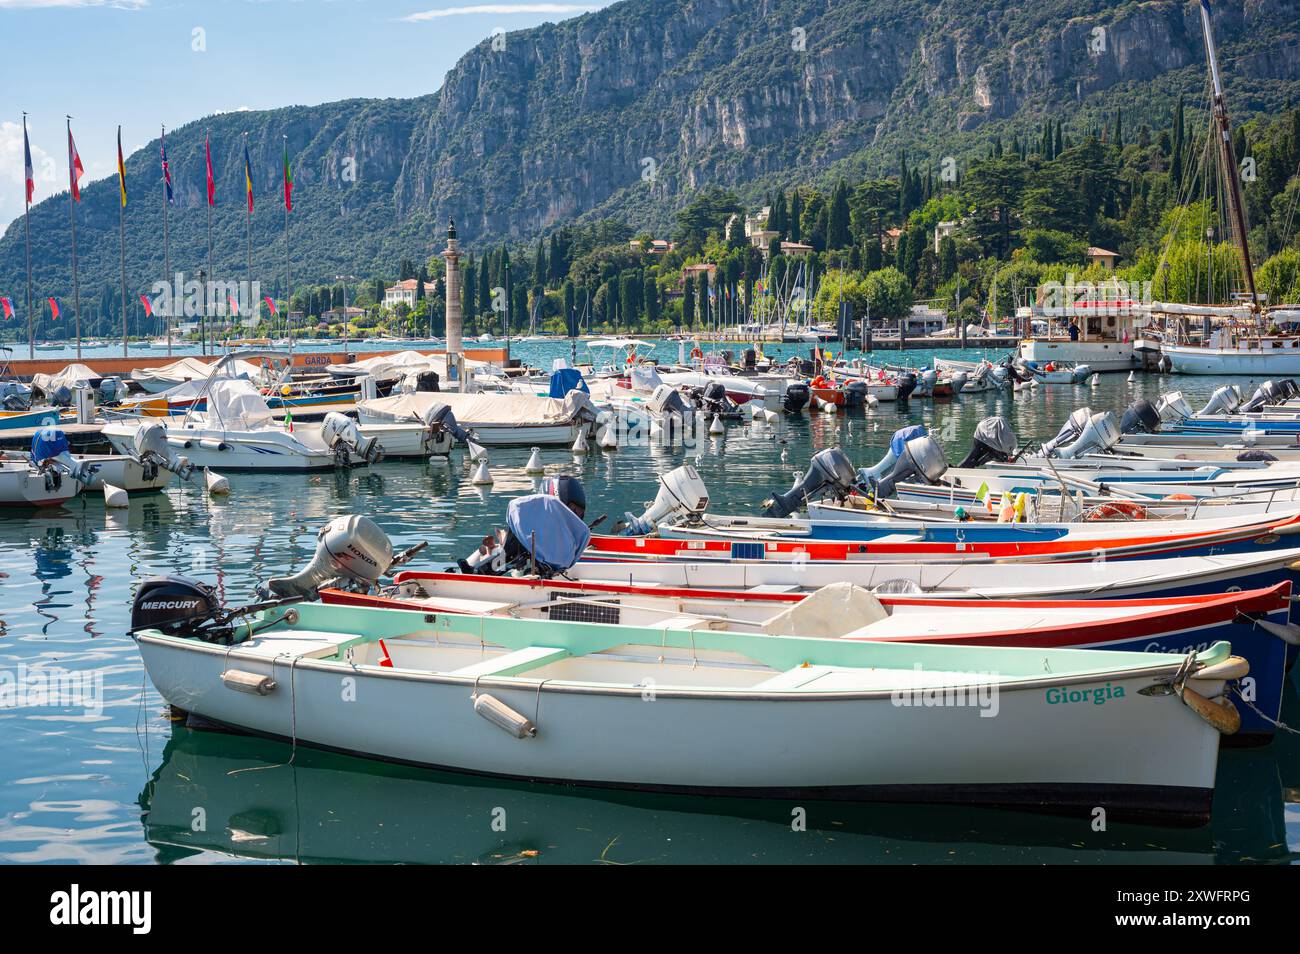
x=747 y=551
x=569 y=611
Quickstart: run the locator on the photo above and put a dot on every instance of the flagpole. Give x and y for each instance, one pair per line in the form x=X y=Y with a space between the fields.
x=248 y=230
x=72 y=217
x=121 y=233
x=288 y=290
x=27 y=238
x=167 y=262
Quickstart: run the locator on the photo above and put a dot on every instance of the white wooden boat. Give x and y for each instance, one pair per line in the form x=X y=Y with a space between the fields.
x=23 y=485
x=689 y=710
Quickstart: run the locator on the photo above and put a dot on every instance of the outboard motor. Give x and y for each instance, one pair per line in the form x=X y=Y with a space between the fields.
x=15 y=396
x=681 y=494
x=1140 y=417
x=1266 y=393
x=1081 y=374
x=867 y=476
x=443 y=430
x=1070 y=430
x=1225 y=400
x=993 y=440
x=1001 y=376
x=152 y=452
x=855 y=393
x=51 y=455
x=541 y=534
x=350 y=550
x=569 y=491
x=830 y=474
x=921 y=457
x=713 y=399
x=426 y=381
x=906 y=385
x=110 y=391
x=62 y=396
x=1289 y=388
x=926 y=381
x=1099 y=434
x=958 y=381
x=344 y=438
x=175 y=605
x=671 y=415
x=1173 y=407
x=796 y=397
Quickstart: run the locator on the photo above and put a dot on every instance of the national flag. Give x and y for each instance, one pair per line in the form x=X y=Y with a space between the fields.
x=8 y=307
x=75 y=169
x=234 y=305
x=212 y=185
x=288 y=419
x=166 y=167
x=27 y=165
x=54 y=310
x=982 y=491
x=288 y=179
x=248 y=177
x=121 y=168
x=270 y=304
x=148 y=305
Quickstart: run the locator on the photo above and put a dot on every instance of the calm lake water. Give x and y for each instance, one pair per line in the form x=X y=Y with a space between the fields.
x=125 y=784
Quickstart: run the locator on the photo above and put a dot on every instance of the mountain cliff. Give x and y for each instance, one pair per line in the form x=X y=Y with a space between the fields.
x=624 y=112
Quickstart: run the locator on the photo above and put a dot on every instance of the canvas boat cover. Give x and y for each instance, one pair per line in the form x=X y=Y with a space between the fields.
x=192 y=369
x=564 y=380
x=237 y=404
x=476 y=410
x=548 y=529
x=398 y=365
x=70 y=377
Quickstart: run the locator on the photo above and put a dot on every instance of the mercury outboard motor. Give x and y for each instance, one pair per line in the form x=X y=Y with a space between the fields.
x=1266 y=393
x=867 y=476
x=570 y=492
x=993 y=440
x=906 y=385
x=830 y=474
x=344 y=438
x=1098 y=434
x=796 y=397
x=1225 y=400
x=681 y=493
x=152 y=452
x=175 y=605
x=1140 y=417
x=351 y=550
x=921 y=457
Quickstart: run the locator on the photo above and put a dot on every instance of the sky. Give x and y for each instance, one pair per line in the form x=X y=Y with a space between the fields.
x=145 y=63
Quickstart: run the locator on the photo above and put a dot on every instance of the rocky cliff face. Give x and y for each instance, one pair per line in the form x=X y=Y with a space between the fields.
x=625 y=111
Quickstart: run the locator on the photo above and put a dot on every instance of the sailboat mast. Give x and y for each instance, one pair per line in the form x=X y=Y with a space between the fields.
x=1228 y=160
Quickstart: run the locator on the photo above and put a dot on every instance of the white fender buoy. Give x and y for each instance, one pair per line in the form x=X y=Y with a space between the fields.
x=535 y=465
x=482 y=476
x=115 y=496
x=477 y=452
x=872 y=401
x=828 y=407
x=608 y=440
x=216 y=484
x=1130 y=376
x=656 y=429
x=580 y=442
x=716 y=426
x=1094 y=380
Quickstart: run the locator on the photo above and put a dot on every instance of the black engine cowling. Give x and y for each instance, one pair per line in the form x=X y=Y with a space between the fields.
x=175 y=605
x=1140 y=417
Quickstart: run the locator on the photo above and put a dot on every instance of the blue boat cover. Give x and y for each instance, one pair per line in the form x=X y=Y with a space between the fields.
x=48 y=442
x=567 y=379
x=547 y=529
x=903 y=435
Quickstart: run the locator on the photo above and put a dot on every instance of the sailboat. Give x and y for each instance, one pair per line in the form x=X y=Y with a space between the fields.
x=1239 y=345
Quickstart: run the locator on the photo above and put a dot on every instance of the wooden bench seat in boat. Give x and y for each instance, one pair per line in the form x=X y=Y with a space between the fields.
x=300 y=643
x=513 y=663
x=458 y=604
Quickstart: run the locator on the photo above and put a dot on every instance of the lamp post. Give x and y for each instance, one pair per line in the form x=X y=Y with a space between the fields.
x=203 y=318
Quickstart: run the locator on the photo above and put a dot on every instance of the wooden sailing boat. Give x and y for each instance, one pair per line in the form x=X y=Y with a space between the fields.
x=1239 y=345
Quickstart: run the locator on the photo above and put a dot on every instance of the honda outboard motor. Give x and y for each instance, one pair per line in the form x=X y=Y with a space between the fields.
x=569 y=491
x=666 y=399
x=344 y=438
x=152 y=452
x=867 y=476
x=796 y=397
x=1173 y=407
x=1140 y=417
x=1264 y=394
x=351 y=550
x=1099 y=434
x=443 y=430
x=993 y=440
x=906 y=385
x=830 y=474
x=855 y=393
x=921 y=457
x=1225 y=400
x=1081 y=374
x=681 y=494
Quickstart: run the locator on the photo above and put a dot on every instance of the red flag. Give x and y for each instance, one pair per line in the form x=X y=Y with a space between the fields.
x=75 y=169
x=148 y=305
x=234 y=305
x=29 y=172
x=212 y=185
x=54 y=310
x=8 y=307
x=270 y=304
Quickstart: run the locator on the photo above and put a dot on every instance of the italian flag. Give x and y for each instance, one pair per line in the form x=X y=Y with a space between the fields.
x=288 y=179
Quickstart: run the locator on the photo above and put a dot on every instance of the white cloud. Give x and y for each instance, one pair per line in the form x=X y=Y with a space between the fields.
x=49 y=4
x=44 y=167
x=499 y=9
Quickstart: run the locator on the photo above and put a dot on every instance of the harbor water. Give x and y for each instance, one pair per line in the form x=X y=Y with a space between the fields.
x=113 y=779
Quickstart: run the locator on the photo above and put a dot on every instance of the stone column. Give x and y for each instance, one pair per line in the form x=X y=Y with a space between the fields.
x=451 y=255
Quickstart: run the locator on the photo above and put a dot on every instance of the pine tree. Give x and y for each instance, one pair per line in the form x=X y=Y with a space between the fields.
x=837 y=230
x=688 y=301
x=1118 y=136
x=796 y=214
x=539 y=264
